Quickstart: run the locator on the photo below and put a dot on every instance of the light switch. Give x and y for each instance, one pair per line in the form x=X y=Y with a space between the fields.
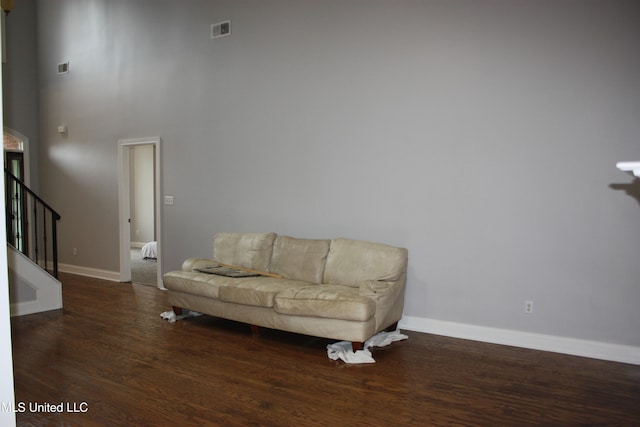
x=168 y=200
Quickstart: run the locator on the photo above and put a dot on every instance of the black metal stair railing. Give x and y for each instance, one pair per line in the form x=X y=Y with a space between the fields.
x=31 y=224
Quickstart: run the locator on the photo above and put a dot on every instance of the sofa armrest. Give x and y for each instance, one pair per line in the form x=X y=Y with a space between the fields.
x=191 y=263
x=389 y=299
x=375 y=289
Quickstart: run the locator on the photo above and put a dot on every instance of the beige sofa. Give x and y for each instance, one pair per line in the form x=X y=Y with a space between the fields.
x=339 y=289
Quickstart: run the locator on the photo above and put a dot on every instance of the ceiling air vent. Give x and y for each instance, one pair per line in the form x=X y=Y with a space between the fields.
x=220 y=29
x=63 y=68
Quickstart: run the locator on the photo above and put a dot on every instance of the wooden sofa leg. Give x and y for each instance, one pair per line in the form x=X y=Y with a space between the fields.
x=355 y=346
x=255 y=330
x=392 y=327
x=177 y=310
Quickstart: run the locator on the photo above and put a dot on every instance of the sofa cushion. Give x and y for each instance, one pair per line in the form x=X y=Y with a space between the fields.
x=330 y=301
x=299 y=259
x=350 y=262
x=194 y=283
x=256 y=291
x=248 y=250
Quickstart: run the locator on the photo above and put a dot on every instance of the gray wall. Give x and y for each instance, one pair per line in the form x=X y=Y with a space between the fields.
x=481 y=135
x=19 y=74
x=20 y=290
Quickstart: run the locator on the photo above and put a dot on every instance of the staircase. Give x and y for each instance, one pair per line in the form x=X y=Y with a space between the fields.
x=32 y=250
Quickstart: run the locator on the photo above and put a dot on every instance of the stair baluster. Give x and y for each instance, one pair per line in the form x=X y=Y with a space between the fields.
x=30 y=236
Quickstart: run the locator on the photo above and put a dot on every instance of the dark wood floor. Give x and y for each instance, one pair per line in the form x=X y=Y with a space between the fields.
x=109 y=349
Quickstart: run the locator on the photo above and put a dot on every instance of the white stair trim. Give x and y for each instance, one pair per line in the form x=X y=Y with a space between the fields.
x=48 y=288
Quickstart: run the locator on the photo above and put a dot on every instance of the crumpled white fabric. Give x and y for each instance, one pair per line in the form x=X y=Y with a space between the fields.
x=171 y=316
x=343 y=350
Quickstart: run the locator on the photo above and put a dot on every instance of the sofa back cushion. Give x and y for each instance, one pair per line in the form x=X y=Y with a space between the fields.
x=350 y=262
x=248 y=250
x=299 y=259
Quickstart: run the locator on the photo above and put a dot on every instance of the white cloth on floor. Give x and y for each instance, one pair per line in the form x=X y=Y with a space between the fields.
x=343 y=350
x=168 y=315
x=171 y=316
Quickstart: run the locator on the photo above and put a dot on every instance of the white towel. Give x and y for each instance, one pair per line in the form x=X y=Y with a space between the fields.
x=343 y=350
x=171 y=316
x=168 y=315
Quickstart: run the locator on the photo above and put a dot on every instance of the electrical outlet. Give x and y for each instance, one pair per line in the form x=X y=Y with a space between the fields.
x=63 y=68
x=75 y=251
x=220 y=29
x=528 y=307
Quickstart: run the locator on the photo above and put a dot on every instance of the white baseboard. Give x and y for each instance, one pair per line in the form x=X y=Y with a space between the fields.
x=35 y=306
x=113 y=276
x=572 y=346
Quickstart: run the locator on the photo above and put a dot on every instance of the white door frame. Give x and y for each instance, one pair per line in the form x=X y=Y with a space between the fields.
x=124 y=147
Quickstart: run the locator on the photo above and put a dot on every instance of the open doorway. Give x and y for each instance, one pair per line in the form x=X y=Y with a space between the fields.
x=15 y=142
x=142 y=214
x=16 y=162
x=139 y=194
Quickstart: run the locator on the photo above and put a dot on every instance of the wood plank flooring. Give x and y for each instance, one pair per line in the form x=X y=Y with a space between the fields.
x=109 y=353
